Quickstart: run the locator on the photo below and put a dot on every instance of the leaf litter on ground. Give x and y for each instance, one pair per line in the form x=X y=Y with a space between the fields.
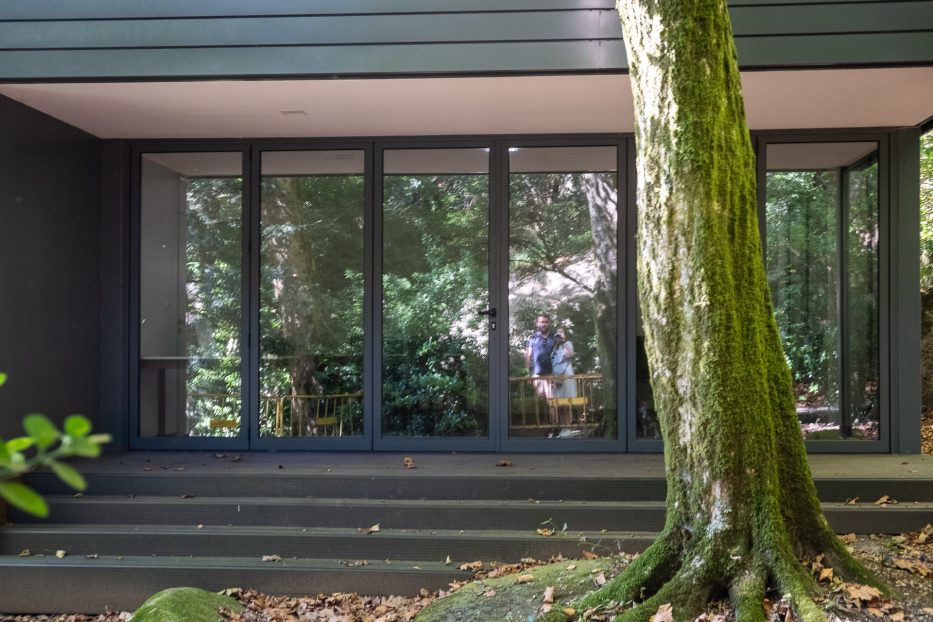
x=842 y=600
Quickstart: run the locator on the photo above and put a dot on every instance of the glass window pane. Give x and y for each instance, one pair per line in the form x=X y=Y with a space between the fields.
x=311 y=294
x=563 y=223
x=862 y=304
x=435 y=343
x=822 y=253
x=190 y=283
x=926 y=277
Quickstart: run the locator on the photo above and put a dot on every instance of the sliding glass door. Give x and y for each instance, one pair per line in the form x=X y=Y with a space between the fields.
x=389 y=296
x=436 y=311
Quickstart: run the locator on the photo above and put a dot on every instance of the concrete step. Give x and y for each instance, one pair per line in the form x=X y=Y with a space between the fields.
x=76 y=584
x=430 y=514
x=436 y=545
x=416 y=484
x=354 y=513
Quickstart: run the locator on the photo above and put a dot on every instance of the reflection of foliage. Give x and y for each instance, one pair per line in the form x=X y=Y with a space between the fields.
x=926 y=264
x=435 y=351
x=803 y=211
x=213 y=281
x=435 y=280
x=862 y=301
x=926 y=213
x=311 y=309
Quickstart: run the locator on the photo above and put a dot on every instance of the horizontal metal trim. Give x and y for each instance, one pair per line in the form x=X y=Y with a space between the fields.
x=175 y=9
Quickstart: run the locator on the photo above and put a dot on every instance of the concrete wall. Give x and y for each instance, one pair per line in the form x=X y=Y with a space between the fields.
x=49 y=267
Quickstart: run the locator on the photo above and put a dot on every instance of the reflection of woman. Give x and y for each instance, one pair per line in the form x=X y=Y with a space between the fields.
x=562 y=366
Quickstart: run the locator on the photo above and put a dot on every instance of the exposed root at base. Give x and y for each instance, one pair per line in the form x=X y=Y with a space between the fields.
x=662 y=576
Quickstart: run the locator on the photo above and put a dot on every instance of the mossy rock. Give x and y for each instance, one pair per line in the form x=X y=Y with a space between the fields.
x=515 y=602
x=184 y=604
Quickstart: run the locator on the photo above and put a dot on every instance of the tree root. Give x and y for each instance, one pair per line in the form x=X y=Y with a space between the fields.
x=644 y=576
x=664 y=575
x=686 y=592
x=841 y=560
x=747 y=594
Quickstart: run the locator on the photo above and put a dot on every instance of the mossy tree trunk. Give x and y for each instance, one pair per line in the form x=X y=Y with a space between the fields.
x=741 y=505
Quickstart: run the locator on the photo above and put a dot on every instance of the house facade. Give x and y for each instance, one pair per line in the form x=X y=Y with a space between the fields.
x=409 y=225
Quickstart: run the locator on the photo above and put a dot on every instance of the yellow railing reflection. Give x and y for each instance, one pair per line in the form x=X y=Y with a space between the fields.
x=552 y=401
x=314 y=415
x=294 y=415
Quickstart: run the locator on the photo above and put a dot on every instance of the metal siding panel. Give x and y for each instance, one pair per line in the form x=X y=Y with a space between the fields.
x=835 y=50
x=825 y=19
x=301 y=61
x=121 y=9
x=340 y=30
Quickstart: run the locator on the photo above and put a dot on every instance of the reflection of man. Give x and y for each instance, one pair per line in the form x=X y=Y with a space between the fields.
x=538 y=353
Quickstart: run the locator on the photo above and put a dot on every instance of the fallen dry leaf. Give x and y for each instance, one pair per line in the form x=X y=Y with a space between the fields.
x=504 y=462
x=447 y=561
x=897 y=616
x=572 y=567
x=868 y=593
x=368 y=530
x=471 y=565
x=409 y=462
x=589 y=555
x=60 y=553
x=849 y=537
x=548 y=595
x=885 y=500
x=852 y=501
x=525 y=578
x=570 y=612
x=544 y=531
x=25 y=553
x=271 y=558
x=489 y=593
x=665 y=613
x=600 y=580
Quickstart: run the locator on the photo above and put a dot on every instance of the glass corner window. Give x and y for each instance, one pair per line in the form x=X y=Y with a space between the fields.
x=822 y=261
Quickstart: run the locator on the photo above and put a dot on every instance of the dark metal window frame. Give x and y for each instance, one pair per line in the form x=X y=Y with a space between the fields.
x=498 y=439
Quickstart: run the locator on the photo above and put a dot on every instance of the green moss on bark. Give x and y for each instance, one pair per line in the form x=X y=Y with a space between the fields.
x=741 y=503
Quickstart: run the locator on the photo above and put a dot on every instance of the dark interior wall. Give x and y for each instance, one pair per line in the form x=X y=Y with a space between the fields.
x=49 y=267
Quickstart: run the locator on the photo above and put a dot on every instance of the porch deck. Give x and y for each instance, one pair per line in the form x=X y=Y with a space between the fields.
x=151 y=520
x=625 y=466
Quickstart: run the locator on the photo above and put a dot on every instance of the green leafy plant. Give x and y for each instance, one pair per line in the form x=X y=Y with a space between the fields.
x=45 y=445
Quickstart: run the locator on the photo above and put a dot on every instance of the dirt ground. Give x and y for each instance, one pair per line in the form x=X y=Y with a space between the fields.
x=905 y=563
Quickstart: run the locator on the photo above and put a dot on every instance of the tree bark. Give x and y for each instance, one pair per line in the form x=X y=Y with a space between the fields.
x=602 y=205
x=741 y=504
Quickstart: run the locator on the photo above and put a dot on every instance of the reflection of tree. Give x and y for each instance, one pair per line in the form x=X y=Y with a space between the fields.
x=311 y=309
